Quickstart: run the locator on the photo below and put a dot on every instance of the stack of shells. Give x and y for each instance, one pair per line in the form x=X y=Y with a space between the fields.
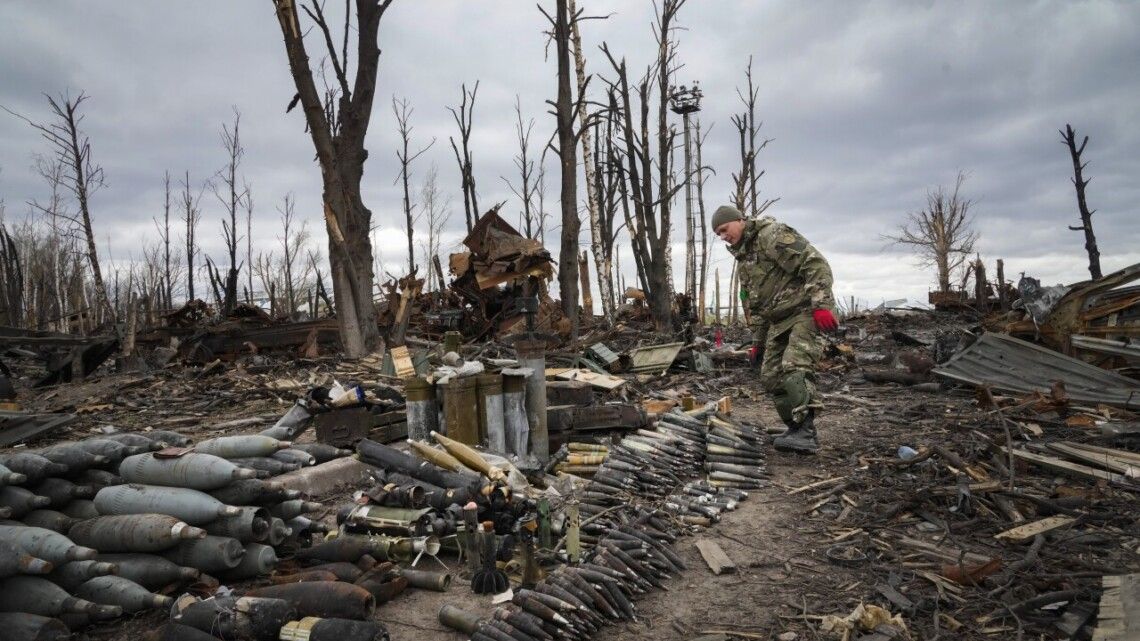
x=99 y=528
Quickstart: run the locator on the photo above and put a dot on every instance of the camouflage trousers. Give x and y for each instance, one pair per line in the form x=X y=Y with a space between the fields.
x=792 y=350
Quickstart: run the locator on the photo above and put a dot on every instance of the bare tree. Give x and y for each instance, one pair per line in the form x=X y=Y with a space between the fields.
x=567 y=151
x=649 y=217
x=83 y=177
x=746 y=191
x=464 y=119
x=337 y=122
x=231 y=196
x=437 y=209
x=602 y=266
x=248 y=203
x=1069 y=138
x=941 y=234
x=293 y=270
x=191 y=215
x=403 y=113
x=167 y=282
x=702 y=222
x=527 y=187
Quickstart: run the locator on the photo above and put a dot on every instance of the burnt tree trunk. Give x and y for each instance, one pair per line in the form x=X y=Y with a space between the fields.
x=338 y=137
x=568 y=157
x=1069 y=137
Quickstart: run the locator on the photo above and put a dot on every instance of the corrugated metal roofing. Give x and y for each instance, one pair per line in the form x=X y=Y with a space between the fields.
x=1014 y=365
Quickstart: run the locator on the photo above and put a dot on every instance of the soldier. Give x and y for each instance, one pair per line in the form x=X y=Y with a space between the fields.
x=785 y=284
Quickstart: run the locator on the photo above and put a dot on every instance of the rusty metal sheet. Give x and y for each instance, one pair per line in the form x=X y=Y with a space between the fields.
x=1014 y=365
x=654 y=358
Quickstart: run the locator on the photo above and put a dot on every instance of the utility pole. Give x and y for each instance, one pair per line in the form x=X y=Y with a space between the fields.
x=687 y=101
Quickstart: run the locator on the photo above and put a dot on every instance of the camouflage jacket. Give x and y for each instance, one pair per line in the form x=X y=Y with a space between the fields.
x=780 y=271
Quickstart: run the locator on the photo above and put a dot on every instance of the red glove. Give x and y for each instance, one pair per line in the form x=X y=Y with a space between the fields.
x=824 y=320
x=754 y=355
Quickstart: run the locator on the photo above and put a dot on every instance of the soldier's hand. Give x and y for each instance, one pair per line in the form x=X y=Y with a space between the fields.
x=825 y=320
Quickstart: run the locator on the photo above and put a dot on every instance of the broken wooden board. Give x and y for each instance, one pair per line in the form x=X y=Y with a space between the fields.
x=402 y=361
x=1119 y=616
x=1107 y=461
x=715 y=557
x=603 y=381
x=18 y=427
x=658 y=406
x=653 y=359
x=1023 y=533
x=1065 y=467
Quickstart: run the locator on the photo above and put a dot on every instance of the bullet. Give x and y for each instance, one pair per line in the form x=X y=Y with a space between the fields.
x=81 y=509
x=97 y=479
x=318 y=629
x=34 y=467
x=322 y=452
x=45 y=544
x=40 y=596
x=245 y=446
x=8 y=477
x=248 y=617
x=293 y=423
x=289 y=509
x=49 y=520
x=124 y=593
x=74 y=457
x=586 y=447
x=308 y=575
x=250 y=524
x=424 y=580
x=459 y=619
x=266 y=464
x=21 y=626
x=133 y=533
x=127 y=438
x=245 y=492
x=322 y=599
x=278 y=531
x=394 y=460
x=113 y=450
x=73 y=574
x=749 y=471
x=522 y=621
x=210 y=554
x=14 y=560
x=392 y=521
x=439 y=457
x=258 y=560
x=343 y=570
x=383 y=588
x=394 y=495
x=300 y=458
x=20 y=501
x=304 y=526
x=194 y=471
x=191 y=506
x=166 y=438
x=150 y=571
x=62 y=491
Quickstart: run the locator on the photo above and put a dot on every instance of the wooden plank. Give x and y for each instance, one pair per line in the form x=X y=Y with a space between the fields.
x=604 y=381
x=715 y=557
x=1123 y=455
x=1119 y=615
x=1026 y=532
x=1065 y=467
x=1096 y=458
x=402 y=361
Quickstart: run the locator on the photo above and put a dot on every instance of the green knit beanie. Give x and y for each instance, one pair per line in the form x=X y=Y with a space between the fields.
x=725 y=214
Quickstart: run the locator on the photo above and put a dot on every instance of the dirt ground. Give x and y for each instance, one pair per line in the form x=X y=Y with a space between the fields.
x=855 y=495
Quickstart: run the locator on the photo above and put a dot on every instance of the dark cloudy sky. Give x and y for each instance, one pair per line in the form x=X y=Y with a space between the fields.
x=869 y=104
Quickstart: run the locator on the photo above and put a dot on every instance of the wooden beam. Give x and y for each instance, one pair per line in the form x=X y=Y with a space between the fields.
x=1119 y=615
x=1023 y=533
x=1065 y=467
x=715 y=557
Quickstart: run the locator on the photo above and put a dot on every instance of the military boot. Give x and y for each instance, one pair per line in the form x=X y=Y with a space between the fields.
x=800 y=437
